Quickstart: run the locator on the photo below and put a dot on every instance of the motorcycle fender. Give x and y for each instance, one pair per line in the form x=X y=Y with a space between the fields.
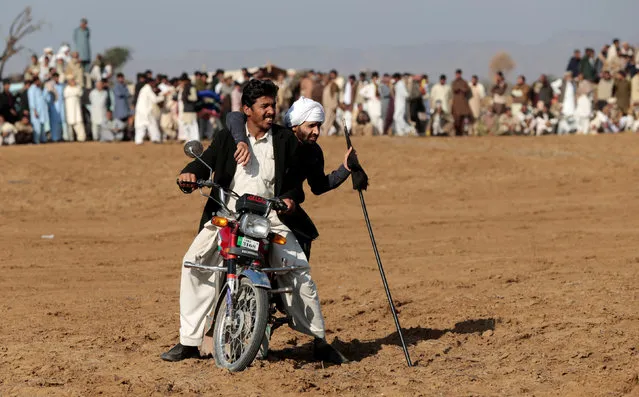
x=258 y=279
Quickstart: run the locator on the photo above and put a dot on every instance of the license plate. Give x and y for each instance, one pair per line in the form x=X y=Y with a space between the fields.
x=250 y=244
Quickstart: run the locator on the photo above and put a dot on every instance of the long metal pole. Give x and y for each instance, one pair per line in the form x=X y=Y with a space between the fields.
x=379 y=261
x=381 y=272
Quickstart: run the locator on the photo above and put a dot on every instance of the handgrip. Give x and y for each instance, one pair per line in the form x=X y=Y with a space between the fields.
x=205 y=183
x=279 y=205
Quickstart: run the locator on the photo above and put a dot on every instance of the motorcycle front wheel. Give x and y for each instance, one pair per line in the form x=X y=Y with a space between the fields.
x=237 y=336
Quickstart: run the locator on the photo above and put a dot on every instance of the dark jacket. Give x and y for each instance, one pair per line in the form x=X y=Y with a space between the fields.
x=7 y=104
x=189 y=104
x=220 y=157
x=588 y=69
x=573 y=66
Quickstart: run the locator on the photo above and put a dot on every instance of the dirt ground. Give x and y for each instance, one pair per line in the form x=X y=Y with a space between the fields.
x=513 y=262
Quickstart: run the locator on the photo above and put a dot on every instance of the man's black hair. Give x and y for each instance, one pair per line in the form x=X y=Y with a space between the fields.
x=256 y=89
x=375 y=74
x=119 y=75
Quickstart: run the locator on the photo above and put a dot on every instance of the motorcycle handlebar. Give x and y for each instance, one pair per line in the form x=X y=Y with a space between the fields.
x=279 y=205
x=205 y=183
x=187 y=187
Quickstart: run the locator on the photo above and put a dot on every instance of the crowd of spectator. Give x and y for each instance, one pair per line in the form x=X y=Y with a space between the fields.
x=66 y=97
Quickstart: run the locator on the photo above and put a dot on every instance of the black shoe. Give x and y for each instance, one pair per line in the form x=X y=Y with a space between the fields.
x=324 y=352
x=179 y=352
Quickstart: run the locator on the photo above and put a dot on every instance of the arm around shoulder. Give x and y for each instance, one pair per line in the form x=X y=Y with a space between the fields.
x=236 y=123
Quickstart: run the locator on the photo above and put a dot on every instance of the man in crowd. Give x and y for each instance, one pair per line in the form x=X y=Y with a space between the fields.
x=7 y=103
x=111 y=129
x=57 y=119
x=520 y=95
x=146 y=121
x=441 y=92
x=81 y=40
x=99 y=98
x=574 y=64
x=24 y=130
x=499 y=93
x=39 y=111
x=461 y=108
x=73 y=110
x=122 y=98
x=187 y=98
x=478 y=92
x=7 y=132
x=330 y=99
x=508 y=123
x=401 y=126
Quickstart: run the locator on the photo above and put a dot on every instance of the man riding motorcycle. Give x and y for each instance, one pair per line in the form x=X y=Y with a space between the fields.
x=270 y=173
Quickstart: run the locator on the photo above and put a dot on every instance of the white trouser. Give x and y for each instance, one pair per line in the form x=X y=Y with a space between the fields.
x=188 y=131
x=626 y=123
x=79 y=131
x=198 y=290
x=583 y=125
x=95 y=131
x=10 y=139
x=152 y=128
x=566 y=125
x=401 y=126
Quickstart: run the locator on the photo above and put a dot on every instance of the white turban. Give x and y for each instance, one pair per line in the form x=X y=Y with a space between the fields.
x=304 y=109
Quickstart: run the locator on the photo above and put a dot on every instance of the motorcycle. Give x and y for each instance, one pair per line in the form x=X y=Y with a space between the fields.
x=243 y=314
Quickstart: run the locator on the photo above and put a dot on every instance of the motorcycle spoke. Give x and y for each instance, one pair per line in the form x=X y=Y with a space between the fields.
x=239 y=328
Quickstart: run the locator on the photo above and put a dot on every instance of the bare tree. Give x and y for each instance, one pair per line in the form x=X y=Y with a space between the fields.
x=21 y=26
x=502 y=61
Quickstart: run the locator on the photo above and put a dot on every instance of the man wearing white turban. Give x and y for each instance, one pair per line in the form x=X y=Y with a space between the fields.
x=304 y=118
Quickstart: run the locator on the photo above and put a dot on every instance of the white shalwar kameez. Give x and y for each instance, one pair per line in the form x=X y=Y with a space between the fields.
x=399 y=115
x=346 y=100
x=567 y=122
x=582 y=114
x=373 y=106
x=188 y=129
x=145 y=119
x=199 y=288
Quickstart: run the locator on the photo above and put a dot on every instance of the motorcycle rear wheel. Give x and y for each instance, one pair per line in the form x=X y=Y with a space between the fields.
x=237 y=338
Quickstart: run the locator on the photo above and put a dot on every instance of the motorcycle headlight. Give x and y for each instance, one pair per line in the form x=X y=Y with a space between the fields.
x=255 y=226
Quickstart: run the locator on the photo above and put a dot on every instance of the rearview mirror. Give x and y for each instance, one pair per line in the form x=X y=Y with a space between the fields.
x=193 y=149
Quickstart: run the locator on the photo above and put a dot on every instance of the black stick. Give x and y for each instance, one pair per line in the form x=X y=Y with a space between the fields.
x=379 y=263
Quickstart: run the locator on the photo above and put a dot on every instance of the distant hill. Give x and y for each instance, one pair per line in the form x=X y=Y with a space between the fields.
x=434 y=58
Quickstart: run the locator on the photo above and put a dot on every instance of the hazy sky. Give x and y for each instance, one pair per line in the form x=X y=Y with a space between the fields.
x=160 y=28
